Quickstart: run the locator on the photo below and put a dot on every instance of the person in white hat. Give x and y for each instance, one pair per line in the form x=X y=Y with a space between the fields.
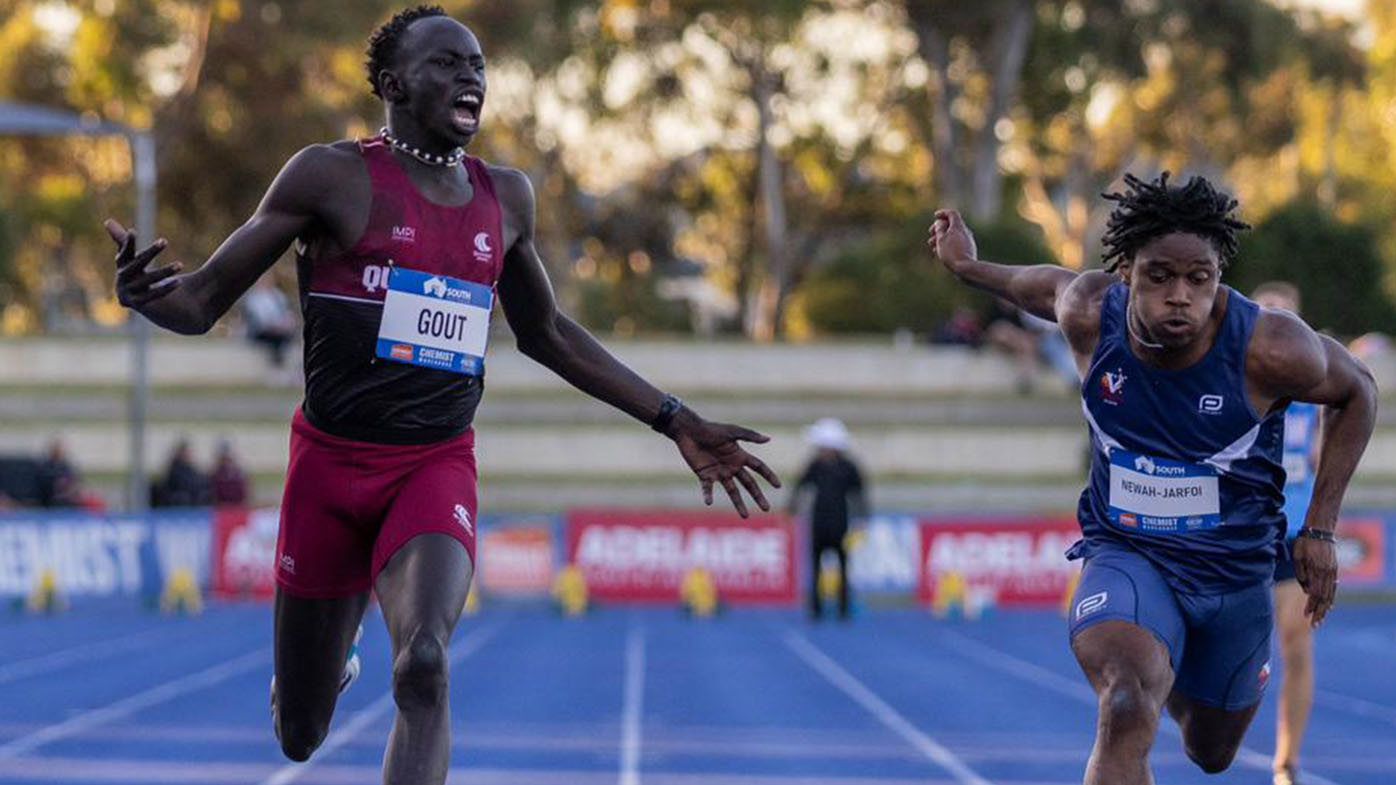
x=838 y=491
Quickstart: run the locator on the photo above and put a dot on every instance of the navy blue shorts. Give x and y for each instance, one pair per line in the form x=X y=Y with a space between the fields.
x=1218 y=644
x=1284 y=563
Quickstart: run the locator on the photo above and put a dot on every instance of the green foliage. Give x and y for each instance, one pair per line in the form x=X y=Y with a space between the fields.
x=1232 y=88
x=630 y=306
x=894 y=282
x=1336 y=266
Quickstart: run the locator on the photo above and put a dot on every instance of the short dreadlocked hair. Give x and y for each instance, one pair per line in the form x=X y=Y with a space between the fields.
x=383 y=44
x=1148 y=210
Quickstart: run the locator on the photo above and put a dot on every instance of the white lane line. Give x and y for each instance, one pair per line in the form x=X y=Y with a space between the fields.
x=888 y=716
x=141 y=700
x=83 y=652
x=67 y=771
x=1358 y=706
x=979 y=651
x=632 y=707
x=373 y=712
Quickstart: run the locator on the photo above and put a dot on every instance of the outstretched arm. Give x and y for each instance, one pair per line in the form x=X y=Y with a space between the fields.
x=1035 y=289
x=557 y=342
x=1294 y=362
x=192 y=303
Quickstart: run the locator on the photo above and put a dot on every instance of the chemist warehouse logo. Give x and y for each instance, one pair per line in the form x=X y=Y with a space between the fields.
x=437 y=287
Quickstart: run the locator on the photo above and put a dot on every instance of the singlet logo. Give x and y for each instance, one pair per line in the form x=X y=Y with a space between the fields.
x=1210 y=404
x=288 y=564
x=484 y=250
x=404 y=234
x=1112 y=387
x=375 y=277
x=1264 y=677
x=463 y=518
x=1091 y=604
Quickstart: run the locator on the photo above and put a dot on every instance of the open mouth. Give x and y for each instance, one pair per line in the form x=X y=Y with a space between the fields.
x=465 y=111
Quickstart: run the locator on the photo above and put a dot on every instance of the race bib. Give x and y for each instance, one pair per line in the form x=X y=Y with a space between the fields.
x=435 y=322
x=1161 y=496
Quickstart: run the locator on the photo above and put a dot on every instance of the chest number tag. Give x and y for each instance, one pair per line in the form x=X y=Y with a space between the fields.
x=1152 y=495
x=435 y=321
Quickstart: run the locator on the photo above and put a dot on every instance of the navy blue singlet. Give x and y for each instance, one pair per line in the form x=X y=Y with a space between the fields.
x=1183 y=470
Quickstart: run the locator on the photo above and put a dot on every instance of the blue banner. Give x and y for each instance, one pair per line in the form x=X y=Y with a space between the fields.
x=102 y=555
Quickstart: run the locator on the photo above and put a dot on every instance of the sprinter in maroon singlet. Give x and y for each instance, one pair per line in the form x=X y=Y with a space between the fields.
x=402 y=242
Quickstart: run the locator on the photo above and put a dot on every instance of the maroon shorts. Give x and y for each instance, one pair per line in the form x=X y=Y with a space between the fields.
x=349 y=506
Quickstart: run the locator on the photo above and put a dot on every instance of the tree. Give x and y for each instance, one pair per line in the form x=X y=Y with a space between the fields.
x=976 y=52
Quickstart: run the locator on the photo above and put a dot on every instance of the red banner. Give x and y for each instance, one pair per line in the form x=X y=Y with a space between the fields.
x=1362 y=550
x=516 y=561
x=1016 y=562
x=244 y=553
x=643 y=556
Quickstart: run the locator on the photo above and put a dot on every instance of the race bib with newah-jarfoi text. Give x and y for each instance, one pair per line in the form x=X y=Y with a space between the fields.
x=1152 y=495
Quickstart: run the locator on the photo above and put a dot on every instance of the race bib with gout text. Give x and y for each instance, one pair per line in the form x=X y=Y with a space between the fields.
x=435 y=321
x=1160 y=496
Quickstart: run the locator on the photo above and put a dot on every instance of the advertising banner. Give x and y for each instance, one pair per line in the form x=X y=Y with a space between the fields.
x=1362 y=551
x=517 y=555
x=244 y=553
x=98 y=555
x=643 y=556
x=1015 y=561
x=884 y=556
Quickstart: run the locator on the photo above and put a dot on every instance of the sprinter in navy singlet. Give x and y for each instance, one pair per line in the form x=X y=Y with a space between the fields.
x=403 y=244
x=1184 y=388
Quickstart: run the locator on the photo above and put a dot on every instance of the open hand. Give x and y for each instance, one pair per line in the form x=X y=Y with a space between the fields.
x=713 y=453
x=135 y=286
x=951 y=240
x=1316 y=568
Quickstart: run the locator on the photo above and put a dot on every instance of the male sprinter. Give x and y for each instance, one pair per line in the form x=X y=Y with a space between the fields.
x=1296 y=634
x=402 y=242
x=1185 y=386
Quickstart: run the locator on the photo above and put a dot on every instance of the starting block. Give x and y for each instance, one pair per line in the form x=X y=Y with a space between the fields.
x=699 y=593
x=181 y=594
x=829 y=582
x=1067 y=596
x=46 y=597
x=570 y=591
x=956 y=597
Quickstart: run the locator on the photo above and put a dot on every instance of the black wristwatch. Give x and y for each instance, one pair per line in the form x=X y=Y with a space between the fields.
x=668 y=410
x=1317 y=534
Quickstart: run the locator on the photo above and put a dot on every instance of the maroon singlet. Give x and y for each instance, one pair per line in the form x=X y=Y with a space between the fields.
x=349 y=393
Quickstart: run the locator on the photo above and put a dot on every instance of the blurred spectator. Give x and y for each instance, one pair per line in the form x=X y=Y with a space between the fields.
x=836 y=485
x=59 y=483
x=1370 y=348
x=19 y=480
x=1032 y=342
x=183 y=484
x=270 y=322
x=961 y=329
x=229 y=481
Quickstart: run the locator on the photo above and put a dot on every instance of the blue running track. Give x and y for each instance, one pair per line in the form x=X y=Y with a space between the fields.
x=112 y=694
